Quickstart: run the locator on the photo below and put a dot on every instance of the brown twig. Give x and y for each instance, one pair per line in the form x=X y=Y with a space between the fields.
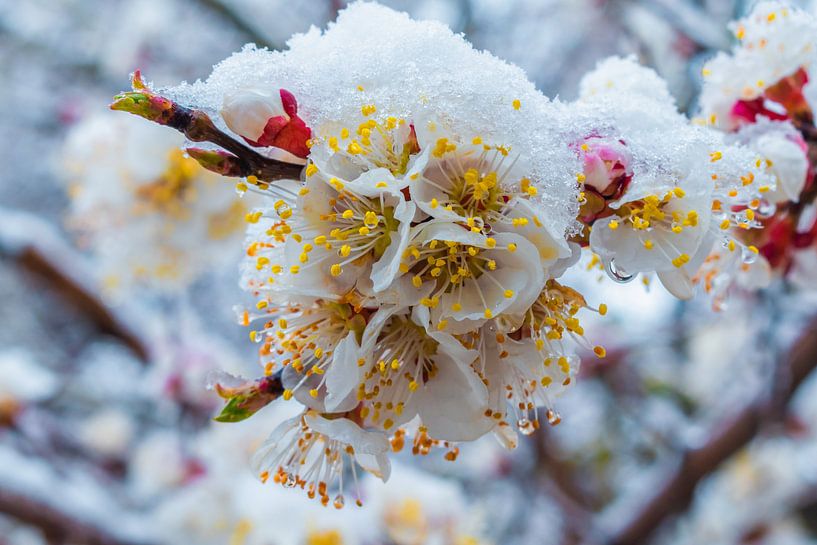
x=695 y=464
x=238 y=160
x=56 y=526
x=34 y=261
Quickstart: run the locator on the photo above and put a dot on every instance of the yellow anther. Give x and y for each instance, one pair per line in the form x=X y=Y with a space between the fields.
x=517 y=104
x=336 y=269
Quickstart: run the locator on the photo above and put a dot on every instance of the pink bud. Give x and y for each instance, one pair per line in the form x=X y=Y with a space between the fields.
x=266 y=119
x=607 y=165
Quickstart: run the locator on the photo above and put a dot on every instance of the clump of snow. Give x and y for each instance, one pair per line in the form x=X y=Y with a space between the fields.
x=409 y=69
x=623 y=100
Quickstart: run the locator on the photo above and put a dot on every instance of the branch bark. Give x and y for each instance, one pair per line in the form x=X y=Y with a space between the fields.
x=57 y=527
x=34 y=261
x=677 y=492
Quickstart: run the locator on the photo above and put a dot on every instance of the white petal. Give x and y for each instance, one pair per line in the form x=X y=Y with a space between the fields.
x=387 y=267
x=453 y=403
x=349 y=433
x=376 y=464
x=247 y=111
x=343 y=374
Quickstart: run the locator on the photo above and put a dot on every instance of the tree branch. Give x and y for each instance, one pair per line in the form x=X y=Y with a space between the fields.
x=196 y=125
x=38 y=249
x=696 y=464
x=57 y=526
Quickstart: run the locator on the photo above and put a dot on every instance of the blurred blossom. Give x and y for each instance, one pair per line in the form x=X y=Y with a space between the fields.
x=149 y=214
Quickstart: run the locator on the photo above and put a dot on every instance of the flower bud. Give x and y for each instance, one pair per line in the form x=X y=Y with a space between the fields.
x=267 y=119
x=606 y=165
x=244 y=397
x=606 y=173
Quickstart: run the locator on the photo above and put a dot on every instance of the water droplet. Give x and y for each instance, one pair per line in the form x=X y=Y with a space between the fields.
x=291 y=481
x=748 y=256
x=339 y=501
x=553 y=417
x=525 y=426
x=617 y=273
x=766 y=208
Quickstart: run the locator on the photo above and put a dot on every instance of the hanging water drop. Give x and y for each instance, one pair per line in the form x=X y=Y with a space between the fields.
x=748 y=256
x=525 y=426
x=618 y=274
x=553 y=417
x=766 y=209
x=290 y=481
x=339 y=501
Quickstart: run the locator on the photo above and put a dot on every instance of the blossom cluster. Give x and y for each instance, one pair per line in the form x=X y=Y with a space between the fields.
x=761 y=96
x=407 y=282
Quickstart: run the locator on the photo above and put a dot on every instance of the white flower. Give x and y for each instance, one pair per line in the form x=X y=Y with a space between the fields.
x=776 y=41
x=149 y=214
x=670 y=201
x=532 y=365
x=325 y=236
x=369 y=155
x=480 y=245
x=312 y=451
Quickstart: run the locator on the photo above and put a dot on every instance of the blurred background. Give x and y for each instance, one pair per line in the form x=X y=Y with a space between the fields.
x=117 y=301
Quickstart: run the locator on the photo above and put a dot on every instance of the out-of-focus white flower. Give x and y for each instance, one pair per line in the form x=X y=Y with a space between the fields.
x=148 y=213
x=24 y=380
x=766 y=70
x=108 y=432
x=157 y=464
x=418 y=508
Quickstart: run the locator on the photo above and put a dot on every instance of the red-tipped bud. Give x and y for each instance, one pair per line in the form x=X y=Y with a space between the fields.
x=266 y=119
x=606 y=174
